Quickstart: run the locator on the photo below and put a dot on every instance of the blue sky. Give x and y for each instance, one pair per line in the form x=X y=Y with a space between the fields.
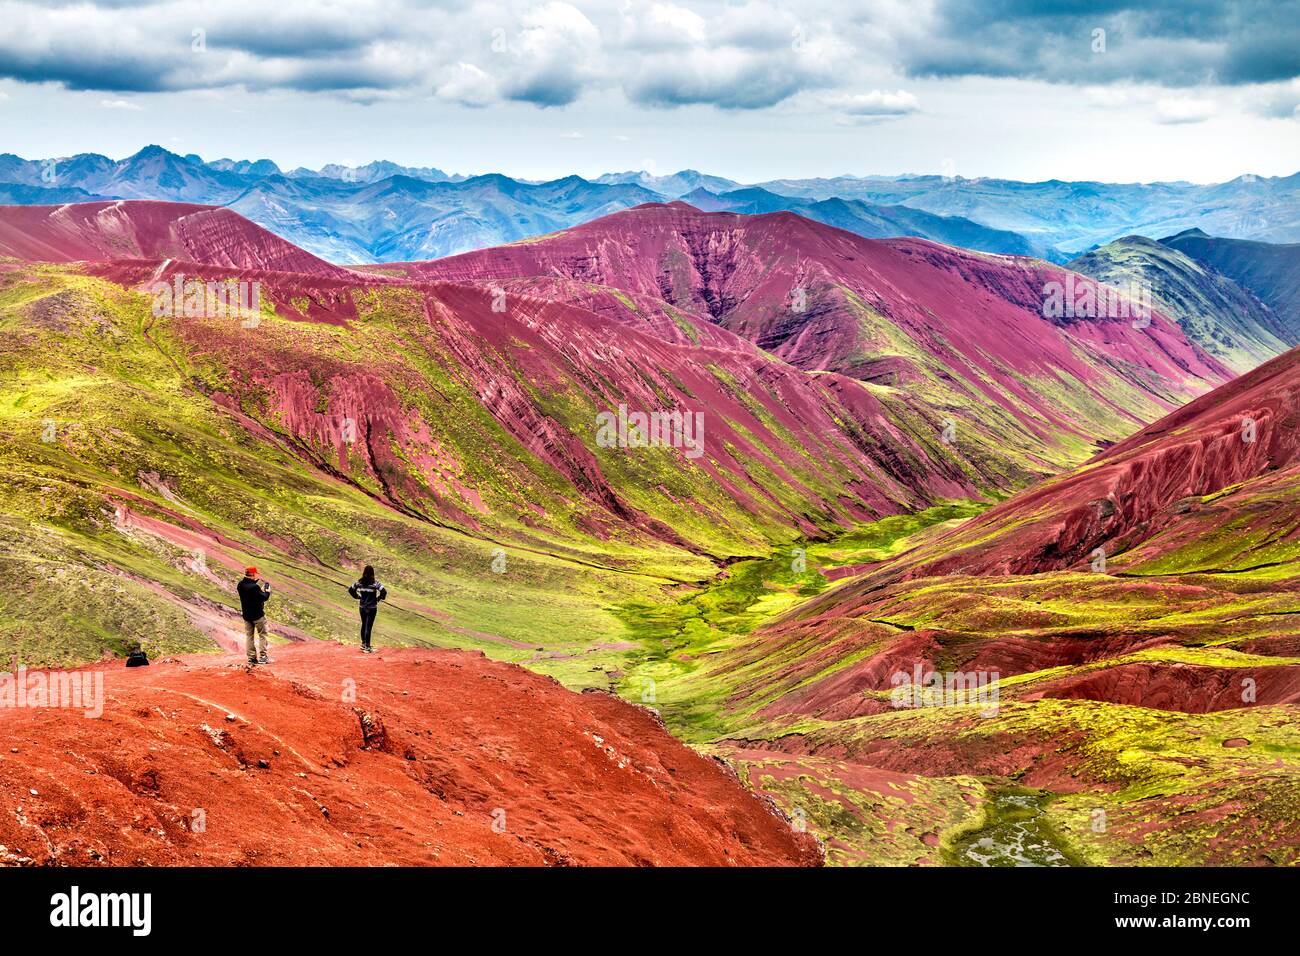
x=1109 y=90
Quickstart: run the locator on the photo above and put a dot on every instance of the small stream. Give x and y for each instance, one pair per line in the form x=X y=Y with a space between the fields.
x=1016 y=836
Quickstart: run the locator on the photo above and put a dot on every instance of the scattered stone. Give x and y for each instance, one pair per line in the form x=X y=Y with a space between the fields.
x=374 y=735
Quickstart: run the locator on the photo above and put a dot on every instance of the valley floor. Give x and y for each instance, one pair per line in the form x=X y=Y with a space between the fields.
x=1132 y=720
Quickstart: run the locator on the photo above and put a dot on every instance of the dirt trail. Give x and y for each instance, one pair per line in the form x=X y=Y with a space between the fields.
x=328 y=756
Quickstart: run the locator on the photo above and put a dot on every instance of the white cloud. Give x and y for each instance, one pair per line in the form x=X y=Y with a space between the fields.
x=875 y=105
x=662 y=26
x=120 y=105
x=466 y=85
x=552 y=57
x=744 y=57
x=1108 y=97
x=1175 y=110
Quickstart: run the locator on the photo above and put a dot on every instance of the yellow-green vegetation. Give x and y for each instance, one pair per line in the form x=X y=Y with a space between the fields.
x=865 y=816
x=1214 y=312
x=990 y=436
x=150 y=464
x=131 y=499
x=1143 y=786
x=684 y=668
x=1027 y=780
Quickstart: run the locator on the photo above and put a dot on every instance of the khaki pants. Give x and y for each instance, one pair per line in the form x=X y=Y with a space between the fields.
x=258 y=626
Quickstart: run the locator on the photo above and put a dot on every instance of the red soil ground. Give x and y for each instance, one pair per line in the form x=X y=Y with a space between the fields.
x=285 y=767
x=1182 y=687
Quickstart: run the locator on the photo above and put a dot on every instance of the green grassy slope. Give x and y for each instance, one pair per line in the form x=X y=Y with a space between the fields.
x=133 y=519
x=1216 y=313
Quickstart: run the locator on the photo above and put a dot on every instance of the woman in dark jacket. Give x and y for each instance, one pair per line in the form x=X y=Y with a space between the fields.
x=369 y=592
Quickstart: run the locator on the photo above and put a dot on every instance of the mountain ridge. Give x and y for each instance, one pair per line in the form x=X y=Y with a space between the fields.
x=888 y=312
x=1220 y=316
x=996 y=215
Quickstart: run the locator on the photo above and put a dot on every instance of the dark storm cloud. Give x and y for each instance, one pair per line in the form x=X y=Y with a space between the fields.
x=1168 y=42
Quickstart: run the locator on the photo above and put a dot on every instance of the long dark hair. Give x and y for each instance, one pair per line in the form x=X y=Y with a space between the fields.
x=367 y=575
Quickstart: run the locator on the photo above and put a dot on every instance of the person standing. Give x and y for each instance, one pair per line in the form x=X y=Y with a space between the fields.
x=369 y=592
x=253 y=595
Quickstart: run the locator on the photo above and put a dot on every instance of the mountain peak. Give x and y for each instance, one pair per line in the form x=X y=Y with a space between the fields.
x=153 y=151
x=1193 y=233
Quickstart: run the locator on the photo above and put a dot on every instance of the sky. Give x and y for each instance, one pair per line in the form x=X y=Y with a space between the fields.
x=1110 y=90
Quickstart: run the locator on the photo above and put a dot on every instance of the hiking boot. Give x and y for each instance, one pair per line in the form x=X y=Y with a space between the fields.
x=367 y=649
x=263 y=659
x=252 y=661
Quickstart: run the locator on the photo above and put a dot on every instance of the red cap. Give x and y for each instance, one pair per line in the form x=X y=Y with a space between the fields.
x=251 y=572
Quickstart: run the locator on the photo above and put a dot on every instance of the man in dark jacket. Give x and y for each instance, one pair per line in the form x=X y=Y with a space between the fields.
x=369 y=593
x=253 y=595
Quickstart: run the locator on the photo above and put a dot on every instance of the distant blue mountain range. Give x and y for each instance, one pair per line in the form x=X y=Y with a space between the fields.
x=383 y=212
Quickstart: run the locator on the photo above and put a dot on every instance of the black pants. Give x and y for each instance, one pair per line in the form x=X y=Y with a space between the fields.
x=367 y=624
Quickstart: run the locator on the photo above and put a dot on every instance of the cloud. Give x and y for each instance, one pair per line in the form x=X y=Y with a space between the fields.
x=878 y=104
x=1184 y=109
x=1166 y=42
x=472 y=53
x=745 y=55
x=467 y=85
x=552 y=57
x=1276 y=101
x=120 y=105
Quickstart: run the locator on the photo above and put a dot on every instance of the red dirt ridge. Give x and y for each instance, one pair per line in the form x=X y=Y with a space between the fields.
x=327 y=757
x=144 y=229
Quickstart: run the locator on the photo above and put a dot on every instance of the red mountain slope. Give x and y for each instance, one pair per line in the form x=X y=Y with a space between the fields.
x=441 y=758
x=1151 y=484
x=1189 y=536
x=780 y=448
x=961 y=328
x=143 y=229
